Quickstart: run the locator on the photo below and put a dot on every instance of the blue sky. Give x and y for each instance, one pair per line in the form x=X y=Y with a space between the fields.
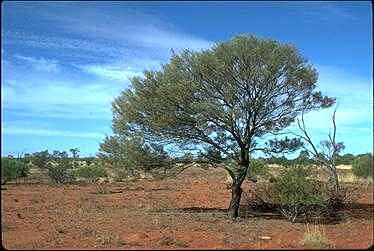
x=64 y=62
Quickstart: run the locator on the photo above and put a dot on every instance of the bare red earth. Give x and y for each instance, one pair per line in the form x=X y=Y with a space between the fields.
x=185 y=212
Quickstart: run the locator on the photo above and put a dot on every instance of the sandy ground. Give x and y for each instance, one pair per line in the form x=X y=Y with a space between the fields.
x=188 y=211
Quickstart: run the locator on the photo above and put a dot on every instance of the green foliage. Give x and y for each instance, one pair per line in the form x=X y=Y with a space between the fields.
x=363 y=166
x=211 y=97
x=295 y=193
x=40 y=159
x=346 y=159
x=60 y=174
x=133 y=154
x=91 y=172
x=294 y=186
x=283 y=161
x=60 y=167
x=12 y=168
x=211 y=154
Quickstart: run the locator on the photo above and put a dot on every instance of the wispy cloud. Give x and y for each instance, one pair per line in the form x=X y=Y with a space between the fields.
x=49 y=132
x=40 y=64
x=111 y=71
x=33 y=93
x=112 y=32
x=35 y=96
x=80 y=46
x=315 y=12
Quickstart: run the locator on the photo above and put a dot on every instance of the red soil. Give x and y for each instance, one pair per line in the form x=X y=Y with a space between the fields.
x=185 y=212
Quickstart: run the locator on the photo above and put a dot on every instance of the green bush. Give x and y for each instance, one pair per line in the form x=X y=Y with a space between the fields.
x=60 y=174
x=40 y=159
x=363 y=166
x=12 y=168
x=346 y=159
x=295 y=194
x=91 y=172
x=60 y=168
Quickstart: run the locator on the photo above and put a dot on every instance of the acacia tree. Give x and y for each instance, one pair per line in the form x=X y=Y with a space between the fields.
x=225 y=97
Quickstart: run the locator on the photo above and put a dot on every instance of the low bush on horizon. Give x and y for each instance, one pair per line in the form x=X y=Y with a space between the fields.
x=363 y=166
x=90 y=172
x=13 y=168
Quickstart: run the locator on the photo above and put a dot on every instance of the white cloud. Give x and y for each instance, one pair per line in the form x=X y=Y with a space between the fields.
x=80 y=46
x=157 y=37
x=58 y=99
x=113 y=32
x=49 y=132
x=111 y=71
x=40 y=64
x=315 y=12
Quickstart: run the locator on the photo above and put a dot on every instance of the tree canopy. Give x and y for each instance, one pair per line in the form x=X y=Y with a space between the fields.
x=225 y=96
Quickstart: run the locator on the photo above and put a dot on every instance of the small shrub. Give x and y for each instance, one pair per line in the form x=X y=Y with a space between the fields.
x=40 y=159
x=294 y=194
x=315 y=237
x=12 y=168
x=91 y=172
x=59 y=173
x=363 y=166
x=60 y=168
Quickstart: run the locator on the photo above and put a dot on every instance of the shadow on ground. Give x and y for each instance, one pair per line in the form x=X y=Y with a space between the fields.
x=353 y=210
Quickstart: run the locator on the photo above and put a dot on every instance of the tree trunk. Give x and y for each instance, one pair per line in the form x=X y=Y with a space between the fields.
x=236 y=194
x=236 y=190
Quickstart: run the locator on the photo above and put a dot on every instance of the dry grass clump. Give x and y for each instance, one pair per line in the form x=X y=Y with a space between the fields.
x=169 y=241
x=315 y=237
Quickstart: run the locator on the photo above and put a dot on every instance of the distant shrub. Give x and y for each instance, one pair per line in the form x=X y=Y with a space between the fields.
x=60 y=168
x=258 y=167
x=60 y=174
x=40 y=159
x=363 y=166
x=346 y=159
x=91 y=172
x=12 y=168
x=283 y=161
